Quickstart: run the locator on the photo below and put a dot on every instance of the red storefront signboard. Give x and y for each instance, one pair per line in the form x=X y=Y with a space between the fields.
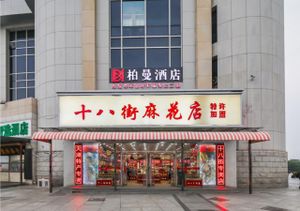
x=78 y=164
x=220 y=165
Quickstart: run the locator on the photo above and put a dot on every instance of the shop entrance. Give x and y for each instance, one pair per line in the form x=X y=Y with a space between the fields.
x=136 y=164
x=148 y=165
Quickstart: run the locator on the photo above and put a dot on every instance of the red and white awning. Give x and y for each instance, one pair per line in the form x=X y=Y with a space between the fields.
x=153 y=136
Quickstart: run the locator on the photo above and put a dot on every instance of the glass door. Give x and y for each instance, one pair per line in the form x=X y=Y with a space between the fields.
x=161 y=173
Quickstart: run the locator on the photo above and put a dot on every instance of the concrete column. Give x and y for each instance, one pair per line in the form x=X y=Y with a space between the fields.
x=68 y=163
x=230 y=164
x=3 y=65
x=203 y=45
x=88 y=30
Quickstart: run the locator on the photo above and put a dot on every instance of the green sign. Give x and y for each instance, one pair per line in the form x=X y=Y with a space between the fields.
x=16 y=129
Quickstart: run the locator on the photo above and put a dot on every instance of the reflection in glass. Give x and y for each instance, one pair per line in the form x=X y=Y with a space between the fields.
x=133 y=13
x=90 y=163
x=138 y=42
x=158 y=57
x=176 y=57
x=30 y=64
x=176 y=41
x=13 y=66
x=133 y=58
x=115 y=58
x=30 y=92
x=30 y=34
x=21 y=44
x=30 y=43
x=207 y=157
x=157 y=17
x=21 y=93
x=21 y=83
x=21 y=35
x=30 y=83
x=116 y=42
x=21 y=76
x=30 y=50
x=30 y=76
x=157 y=41
x=21 y=64
x=21 y=51
x=175 y=17
x=115 y=18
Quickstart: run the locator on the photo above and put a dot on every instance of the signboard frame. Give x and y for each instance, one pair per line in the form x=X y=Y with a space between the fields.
x=237 y=92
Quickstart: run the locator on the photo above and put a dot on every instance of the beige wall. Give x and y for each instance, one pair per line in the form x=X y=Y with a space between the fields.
x=88 y=40
x=203 y=45
x=24 y=109
x=13 y=177
x=18 y=110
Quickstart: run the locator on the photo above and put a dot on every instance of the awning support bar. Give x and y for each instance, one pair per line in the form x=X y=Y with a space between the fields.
x=115 y=167
x=182 y=166
x=50 y=167
x=250 y=166
x=21 y=167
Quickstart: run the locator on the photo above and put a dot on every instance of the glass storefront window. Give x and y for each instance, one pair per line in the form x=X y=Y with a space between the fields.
x=90 y=164
x=106 y=163
x=149 y=164
x=207 y=163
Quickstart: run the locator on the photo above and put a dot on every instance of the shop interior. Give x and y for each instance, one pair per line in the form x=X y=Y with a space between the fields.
x=139 y=164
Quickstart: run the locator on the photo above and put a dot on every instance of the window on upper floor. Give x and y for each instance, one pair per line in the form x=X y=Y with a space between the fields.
x=145 y=33
x=215 y=72
x=21 y=64
x=214 y=21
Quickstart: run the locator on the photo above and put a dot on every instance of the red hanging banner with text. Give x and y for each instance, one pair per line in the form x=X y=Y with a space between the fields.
x=220 y=164
x=78 y=164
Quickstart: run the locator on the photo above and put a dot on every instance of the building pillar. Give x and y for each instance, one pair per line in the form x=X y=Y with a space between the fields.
x=88 y=41
x=203 y=44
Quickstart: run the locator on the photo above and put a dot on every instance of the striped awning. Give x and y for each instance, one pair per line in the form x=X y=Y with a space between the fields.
x=152 y=136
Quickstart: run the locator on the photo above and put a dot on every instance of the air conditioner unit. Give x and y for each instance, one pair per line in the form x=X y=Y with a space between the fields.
x=43 y=183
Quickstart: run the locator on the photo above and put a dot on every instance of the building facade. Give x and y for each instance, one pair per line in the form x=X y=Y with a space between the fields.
x=51 y=46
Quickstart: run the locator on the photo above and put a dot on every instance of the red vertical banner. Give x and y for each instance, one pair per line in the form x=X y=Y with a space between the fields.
x=220 y=164
x=78 y=164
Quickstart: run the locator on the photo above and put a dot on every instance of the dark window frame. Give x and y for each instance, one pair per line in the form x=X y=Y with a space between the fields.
x=215 y=72
x=214 y=24
x=170 y=35
x=17 y=76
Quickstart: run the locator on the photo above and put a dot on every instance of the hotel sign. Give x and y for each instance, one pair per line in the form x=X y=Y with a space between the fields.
x=18 y=129
x=150 y=110
x=145 y=78
x=146 y=75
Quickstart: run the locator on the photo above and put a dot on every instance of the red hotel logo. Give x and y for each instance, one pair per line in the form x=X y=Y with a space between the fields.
x=117 y=75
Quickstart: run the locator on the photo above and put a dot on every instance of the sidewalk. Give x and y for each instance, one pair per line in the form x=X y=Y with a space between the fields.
x=33 y=198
